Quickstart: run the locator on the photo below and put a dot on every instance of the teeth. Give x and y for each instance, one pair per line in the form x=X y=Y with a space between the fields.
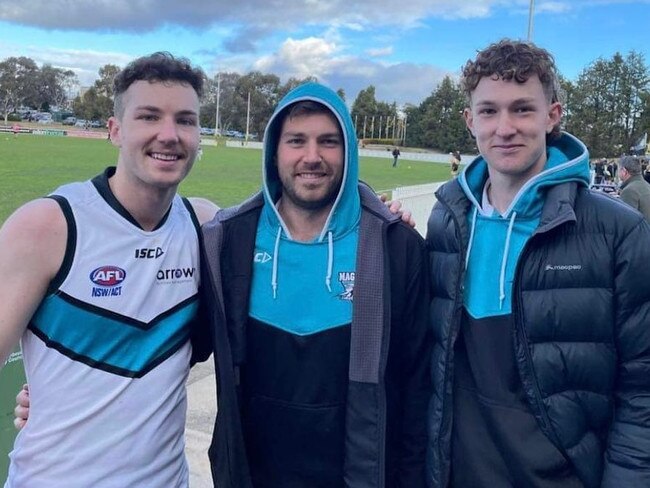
x=164 y=157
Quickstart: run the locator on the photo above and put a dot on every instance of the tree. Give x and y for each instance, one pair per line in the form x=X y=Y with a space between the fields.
x=606 y=103
x=92 y=106
x=364 y=109
x=18 y=77
x=53 y=86
x=438 y=123
x=104 y=84
x=227 y=83
x=97 y=102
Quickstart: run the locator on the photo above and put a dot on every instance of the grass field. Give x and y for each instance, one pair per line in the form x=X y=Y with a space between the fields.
x=32 y=166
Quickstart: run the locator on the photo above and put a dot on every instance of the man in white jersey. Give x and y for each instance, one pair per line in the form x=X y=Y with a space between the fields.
x=103 y=293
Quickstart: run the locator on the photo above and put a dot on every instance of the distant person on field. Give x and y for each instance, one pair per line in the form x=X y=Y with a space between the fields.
x=635 y=191
x=396 y=153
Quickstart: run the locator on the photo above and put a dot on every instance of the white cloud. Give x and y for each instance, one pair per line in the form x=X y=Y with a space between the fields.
x=380 y=51
x=402 y=82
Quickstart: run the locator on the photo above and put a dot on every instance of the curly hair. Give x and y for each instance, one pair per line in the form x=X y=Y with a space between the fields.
x=157 y=67
x=517 y=61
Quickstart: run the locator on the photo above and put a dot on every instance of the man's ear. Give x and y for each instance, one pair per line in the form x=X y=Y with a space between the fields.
x=115 y=131
x=469 y=120
x=554 y=116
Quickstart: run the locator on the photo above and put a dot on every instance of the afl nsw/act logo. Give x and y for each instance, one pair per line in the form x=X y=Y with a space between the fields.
x=107 y=280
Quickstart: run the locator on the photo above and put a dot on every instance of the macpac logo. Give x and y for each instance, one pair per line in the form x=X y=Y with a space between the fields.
x=175 y=274
x=563 y=267
x=108 y=276
x=149 y=253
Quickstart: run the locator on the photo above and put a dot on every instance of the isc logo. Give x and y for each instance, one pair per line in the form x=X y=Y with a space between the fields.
x=108 y=276
x=149 y=253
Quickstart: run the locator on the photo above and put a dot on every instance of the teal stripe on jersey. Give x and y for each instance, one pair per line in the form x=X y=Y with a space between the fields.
x=108 y=342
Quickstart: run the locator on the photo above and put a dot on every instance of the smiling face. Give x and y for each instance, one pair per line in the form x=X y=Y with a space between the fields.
x=158 y=135
x=510 y=121
x=310 y=161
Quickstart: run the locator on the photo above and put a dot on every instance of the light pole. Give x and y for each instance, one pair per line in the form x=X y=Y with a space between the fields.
x=531 y=14
x=216 y=117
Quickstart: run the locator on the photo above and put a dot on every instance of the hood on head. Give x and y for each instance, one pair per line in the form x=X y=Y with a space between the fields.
x=347 y=207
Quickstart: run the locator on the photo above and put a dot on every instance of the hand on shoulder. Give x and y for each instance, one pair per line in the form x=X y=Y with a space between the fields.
x=204 y=209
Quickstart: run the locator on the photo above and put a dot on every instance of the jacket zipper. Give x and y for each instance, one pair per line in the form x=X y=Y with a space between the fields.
x=519 y=327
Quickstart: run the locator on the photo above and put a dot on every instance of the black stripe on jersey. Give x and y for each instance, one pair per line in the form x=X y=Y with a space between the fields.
x=70 y=246
x=195 y=220
x=101 y=185
x=102 y=312
x=103 y=366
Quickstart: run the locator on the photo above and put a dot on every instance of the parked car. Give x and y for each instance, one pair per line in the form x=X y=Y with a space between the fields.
x=96 y=124
x=81 y=123
x=207 y=131
x=70 y=121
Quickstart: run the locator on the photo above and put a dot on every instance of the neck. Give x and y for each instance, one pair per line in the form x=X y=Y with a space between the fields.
x=146 y=205
x=303 y=224
x=502 y=192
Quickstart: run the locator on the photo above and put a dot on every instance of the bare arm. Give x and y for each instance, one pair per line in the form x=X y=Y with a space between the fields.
x=204 y=209
x=32 y=247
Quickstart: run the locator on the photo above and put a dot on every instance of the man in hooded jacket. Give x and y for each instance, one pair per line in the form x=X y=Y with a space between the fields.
x=317 y=296
x=541 y=307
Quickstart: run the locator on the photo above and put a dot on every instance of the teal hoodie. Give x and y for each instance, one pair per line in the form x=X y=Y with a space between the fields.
x=488 y=282
x=316 y=276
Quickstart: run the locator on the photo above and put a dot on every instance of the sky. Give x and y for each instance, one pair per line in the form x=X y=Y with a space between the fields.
x=402 y=47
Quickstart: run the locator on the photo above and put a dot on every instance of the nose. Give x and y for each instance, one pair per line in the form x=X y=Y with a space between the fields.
x=312 y=152
x=168 y=130
x=505 y=125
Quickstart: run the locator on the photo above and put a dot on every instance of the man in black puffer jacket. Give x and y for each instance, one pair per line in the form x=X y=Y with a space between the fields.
x=541 y=308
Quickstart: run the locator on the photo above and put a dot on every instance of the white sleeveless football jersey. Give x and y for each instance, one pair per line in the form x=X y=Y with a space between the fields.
x=107 y=352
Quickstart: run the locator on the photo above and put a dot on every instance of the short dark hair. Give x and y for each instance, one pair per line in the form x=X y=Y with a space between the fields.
x=517 y=61
x=303 y=108
x=157 y=67
x=631 y=164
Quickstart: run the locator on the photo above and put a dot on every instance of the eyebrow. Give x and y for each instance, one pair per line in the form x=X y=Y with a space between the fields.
x=513 y=102
x=300 y=133
x=153 y=108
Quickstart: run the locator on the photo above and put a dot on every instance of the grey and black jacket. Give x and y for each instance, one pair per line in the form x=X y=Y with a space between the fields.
x=388 y=385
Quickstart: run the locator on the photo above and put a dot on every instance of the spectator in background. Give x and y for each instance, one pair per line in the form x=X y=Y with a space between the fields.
x=646 y=170
x=599 y=169
x=396 y=154
x=635 y=191
x=612 y=169
x=455 y=163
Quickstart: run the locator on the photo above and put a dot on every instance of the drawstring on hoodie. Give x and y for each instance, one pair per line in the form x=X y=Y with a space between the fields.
x=471 y=236
x=274 y=275
x=504 y=260
x=330 y=261
x=502 y=276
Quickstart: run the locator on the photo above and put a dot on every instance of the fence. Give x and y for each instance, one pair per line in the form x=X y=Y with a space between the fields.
x=419 y=200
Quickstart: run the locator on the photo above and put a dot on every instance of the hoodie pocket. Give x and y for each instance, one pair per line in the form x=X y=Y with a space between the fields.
x=292 y=444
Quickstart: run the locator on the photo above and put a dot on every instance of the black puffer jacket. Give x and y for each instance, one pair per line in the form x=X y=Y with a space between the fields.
x=581 y=299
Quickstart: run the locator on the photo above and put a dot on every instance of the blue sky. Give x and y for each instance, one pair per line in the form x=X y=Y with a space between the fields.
x=403 y=47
